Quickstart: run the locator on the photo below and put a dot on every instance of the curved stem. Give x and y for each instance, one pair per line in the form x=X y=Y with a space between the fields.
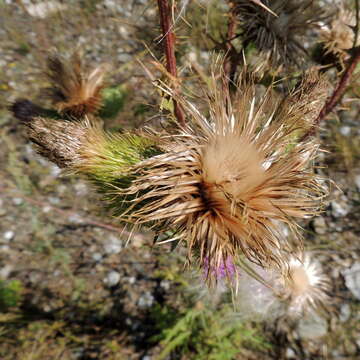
x=338 y=92
x=169 y=48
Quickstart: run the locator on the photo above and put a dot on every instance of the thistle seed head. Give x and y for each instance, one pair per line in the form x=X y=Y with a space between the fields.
x=280 y=36
x=74 y=91
x=305 y=285
x=225 y=182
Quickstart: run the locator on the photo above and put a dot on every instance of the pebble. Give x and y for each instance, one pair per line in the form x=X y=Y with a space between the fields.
x=339 y=208
x=17 y=201
x=54 y=200
x=8 y=235
x=165 y=284
x=345 y=312
x=312 y=326
x=2 y=208
x=5 y=271
x=75 y=218
x=81 y=189
x=112 y=278
x=97 y=257
x=46 y=209
x=345 y=130
x=146 y=300
x=352 y=279
x=113 y=245
x=290 y=353
x=320 y=225
x=43 y=9
x=55 y=171
x=357 y=181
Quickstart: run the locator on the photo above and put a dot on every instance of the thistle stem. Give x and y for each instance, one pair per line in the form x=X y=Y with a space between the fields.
x=338 y=92
x=169 y=49
x=231 y=60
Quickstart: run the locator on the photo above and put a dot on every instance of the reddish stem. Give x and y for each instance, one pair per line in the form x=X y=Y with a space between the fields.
x=231 y=61
x=169 y=47
x=338 y=92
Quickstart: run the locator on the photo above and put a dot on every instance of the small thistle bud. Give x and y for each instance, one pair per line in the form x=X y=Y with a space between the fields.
x=73 y=91
x=305 y=286
x=281 y=36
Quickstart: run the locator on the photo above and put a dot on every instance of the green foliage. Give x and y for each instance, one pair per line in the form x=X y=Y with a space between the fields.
x=113 y=101
x=10 y=294
x=203 y=333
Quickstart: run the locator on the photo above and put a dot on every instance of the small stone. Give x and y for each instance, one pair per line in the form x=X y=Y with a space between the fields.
x=345 y=130
x=146 y=300
x=290 y=353
x=113 y=245
x=138 y=241
x=54 y=200
x=97 y=257
x=312 y=326
x=5 y=271
x=345 y=312
x=46 y=209
x=352 y=279
x=112 y=278
x=75 y=218
x=55 y=171
x=320 y=225
x=339 y=208
x=18 y=201
x=165 y=284
x=2 y=208
x=43 y=9
x=131 y=280
x=357 y=181
x=8 y=235
x=81 y=189
x=146 y=357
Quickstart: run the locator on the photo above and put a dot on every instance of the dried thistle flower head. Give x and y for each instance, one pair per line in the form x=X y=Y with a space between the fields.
x=281 y=36
x=74 y=91
x=226 y=182
x=339 y=36
x=305 y=285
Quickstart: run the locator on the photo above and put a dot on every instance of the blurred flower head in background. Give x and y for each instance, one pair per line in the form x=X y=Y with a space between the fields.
x=281 y=36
